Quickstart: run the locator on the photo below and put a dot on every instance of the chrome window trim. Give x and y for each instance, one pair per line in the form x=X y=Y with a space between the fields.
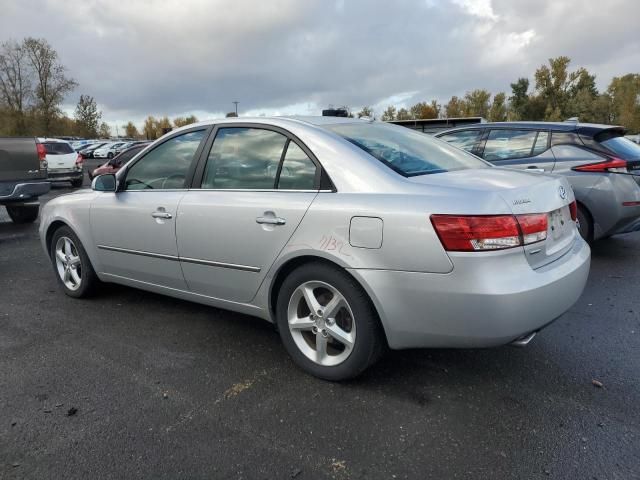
x=174 y=258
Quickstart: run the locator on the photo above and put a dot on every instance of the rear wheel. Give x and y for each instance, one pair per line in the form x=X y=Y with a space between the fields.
x=23 y=213
x=71 y=264
x=327 y=322
x=585 y=224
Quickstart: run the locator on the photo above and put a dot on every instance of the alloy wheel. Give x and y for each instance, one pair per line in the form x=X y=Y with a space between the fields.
x=321 y=323
x=68 y=263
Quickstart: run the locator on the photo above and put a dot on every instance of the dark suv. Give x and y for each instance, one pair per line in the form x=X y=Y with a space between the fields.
x=602 y=165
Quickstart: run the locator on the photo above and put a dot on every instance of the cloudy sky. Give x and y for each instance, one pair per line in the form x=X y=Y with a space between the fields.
x=176 y=57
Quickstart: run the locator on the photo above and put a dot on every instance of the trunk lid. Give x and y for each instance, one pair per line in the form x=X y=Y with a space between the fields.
x=524 y=193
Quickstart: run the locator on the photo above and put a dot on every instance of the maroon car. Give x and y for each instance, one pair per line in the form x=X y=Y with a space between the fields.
x=113 y=165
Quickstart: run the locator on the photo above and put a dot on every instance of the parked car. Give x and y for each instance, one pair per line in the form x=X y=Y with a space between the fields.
x=127 y=145
x=23 y=177
x=64 y=163
x=87 y=152
x=113 y=165
x=351 y=235
x=107 y=151
x=602 y=166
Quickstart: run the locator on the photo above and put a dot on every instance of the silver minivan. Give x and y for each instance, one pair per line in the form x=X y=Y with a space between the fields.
x=602 y=166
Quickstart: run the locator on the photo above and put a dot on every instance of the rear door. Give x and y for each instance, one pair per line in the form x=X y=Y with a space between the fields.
x=60 y=156
x=524 y=149
x=256 y=184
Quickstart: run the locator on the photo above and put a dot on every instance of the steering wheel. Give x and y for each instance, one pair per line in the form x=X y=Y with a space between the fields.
x=175 y=175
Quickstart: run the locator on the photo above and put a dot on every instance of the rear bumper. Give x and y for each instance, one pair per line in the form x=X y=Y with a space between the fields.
x=483 y=302
x=24 y=192
x=66 y=175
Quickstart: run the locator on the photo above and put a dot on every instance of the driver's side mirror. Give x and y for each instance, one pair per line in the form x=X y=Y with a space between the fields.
x=104 y=183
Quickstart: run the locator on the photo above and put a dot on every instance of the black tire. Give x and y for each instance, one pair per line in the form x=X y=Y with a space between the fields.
x=369 y=342
x=23 y=213
x=110 y=155
x=76 y=183
x=89 y=279
x=585 y=224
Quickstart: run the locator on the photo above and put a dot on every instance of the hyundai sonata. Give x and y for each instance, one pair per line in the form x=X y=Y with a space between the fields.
x=350 y=235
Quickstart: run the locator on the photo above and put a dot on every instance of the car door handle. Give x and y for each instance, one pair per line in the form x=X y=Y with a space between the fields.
x=271 y=220
x=535 y=169
x=166 y=215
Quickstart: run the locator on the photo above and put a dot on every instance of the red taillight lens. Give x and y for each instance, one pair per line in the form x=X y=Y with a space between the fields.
x=471 y=233
x=573 y=209
x=42 y=155
x=602 y=166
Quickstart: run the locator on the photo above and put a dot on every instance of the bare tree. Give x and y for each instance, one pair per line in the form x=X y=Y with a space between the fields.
x=15 y=83
x=52 y=83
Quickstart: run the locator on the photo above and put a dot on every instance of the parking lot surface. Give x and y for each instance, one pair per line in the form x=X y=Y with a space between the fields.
x=135 y=385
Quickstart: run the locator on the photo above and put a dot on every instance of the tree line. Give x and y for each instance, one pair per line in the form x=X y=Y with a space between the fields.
x=34 y=83
x=557 y=94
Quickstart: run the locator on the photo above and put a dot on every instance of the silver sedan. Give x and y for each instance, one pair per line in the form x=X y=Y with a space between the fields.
x=350 y=235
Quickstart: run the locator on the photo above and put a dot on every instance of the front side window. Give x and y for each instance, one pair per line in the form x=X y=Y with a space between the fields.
x=298 y=171
x=405 y=151
x=166 y=166
x=465 y=139
x=244 y=158
x=509 y=144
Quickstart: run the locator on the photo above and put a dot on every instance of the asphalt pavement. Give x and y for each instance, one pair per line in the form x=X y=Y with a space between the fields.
x=131 y=384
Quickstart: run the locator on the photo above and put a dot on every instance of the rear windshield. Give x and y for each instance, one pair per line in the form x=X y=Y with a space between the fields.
x=407 y=152
x=623 y=148
x=58 y=148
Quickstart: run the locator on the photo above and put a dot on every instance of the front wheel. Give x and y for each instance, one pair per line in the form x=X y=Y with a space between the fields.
x=327 y=322
x=23 y=213
x=71 y=264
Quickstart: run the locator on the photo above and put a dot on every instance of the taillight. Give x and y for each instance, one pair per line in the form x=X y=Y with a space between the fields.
x=42 y=156
x=79 y=160
x=470 y=233
x=612 y=164
x=573 y=209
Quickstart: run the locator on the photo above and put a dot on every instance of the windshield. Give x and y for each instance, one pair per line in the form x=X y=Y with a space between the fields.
x=407 y=152
x=623 y=147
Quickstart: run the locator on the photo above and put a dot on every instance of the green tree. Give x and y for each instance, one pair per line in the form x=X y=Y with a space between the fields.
x=130 y=130
x=403 y=114
x=87 y=117
x=182 y=121
x=519 y=100
x=150 y=128
x=477 y=103
x=425 y=110
x=51 y=81
x=625 y=101
x=104 y=131
x=455 y=108
x=498 y=111
x=366 y=111
x=389 y=114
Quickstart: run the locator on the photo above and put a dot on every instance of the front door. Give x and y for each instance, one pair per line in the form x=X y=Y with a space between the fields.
x=256 y=187
x=134 y=229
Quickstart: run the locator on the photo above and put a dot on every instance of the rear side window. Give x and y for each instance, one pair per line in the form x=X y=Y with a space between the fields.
x=466 y=139
x=244 y=158
x=405 y=151
x=58 y=148
x=565 y=138
x=298 y=171
x=509 y=144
